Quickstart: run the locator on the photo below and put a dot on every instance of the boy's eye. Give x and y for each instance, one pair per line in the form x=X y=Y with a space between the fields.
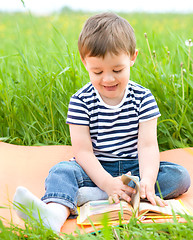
x=97 y=73
x=118 y=71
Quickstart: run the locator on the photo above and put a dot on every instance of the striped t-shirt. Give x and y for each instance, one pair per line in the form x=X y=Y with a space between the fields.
x=113 y=129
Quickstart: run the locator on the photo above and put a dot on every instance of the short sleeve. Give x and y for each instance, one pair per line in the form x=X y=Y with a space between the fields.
x=77 y=112
x=148 y=107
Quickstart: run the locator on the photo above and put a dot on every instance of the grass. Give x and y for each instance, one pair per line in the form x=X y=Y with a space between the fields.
x=40 y=69
x=133 y=230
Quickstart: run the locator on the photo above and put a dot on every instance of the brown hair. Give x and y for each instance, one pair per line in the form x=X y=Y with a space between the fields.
x=106 y=33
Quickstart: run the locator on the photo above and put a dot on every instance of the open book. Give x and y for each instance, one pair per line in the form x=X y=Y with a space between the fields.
x=94 y=210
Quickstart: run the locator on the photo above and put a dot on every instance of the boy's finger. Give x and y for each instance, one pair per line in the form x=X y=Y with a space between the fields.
x=160 y=202
x=114 y=199
x=152 y=198
x=110 y=199
x=128 y=189
x=142 y=192
x=125 y=197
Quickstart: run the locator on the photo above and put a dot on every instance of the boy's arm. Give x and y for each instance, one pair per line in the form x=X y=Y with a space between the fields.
x=83 y=152
x=149 y=160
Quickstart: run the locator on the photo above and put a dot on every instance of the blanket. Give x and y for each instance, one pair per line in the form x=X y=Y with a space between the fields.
x=28 y=166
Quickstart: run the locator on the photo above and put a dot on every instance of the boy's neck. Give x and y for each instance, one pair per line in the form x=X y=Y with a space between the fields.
x=114 y=101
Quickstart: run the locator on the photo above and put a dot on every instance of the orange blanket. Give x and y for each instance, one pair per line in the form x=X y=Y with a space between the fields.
x=29 y=166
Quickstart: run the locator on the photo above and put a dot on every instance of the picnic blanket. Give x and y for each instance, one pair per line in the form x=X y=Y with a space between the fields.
x=28 y=166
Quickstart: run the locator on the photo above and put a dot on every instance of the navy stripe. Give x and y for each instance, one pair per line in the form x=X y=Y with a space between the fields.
x=77 y=118
x=147 y=103
x=73 y=110
x=149 y=109
x=82 y=124
x=151 y=116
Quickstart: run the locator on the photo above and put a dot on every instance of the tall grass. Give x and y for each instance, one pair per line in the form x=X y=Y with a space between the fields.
x=37 y=79
x=133 y=230
x=40 y=69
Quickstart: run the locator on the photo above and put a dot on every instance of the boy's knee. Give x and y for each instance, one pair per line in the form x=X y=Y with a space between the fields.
x=174 y=180
x=63 y=166
x=182 y=182
x=184 y=179
x=68 y=169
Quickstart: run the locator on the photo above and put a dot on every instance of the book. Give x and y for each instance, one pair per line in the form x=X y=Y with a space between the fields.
x=93 y=211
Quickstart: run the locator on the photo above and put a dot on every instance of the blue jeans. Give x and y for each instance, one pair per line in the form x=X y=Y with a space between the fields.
x=65 y=178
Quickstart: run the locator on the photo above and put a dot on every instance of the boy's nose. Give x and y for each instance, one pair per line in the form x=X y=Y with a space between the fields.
x=108 y=78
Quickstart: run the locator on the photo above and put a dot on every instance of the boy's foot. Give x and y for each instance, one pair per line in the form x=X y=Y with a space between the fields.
x=53 y=215
x=86 y=194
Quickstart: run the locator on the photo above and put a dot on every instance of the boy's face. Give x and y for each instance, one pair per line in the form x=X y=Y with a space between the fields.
x=110 y=75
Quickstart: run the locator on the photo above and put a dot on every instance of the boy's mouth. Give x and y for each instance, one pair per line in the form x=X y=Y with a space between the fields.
x=111 y=88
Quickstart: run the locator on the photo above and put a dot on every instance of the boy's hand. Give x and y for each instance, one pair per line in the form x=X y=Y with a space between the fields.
x=147 y=191
x=117 y=189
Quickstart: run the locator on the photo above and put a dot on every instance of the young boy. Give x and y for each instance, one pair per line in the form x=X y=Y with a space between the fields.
x=113 y=128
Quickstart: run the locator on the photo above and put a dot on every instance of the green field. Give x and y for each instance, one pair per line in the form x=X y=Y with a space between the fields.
x=40 y=69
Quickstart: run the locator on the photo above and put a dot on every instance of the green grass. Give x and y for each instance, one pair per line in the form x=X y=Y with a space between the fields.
x=40 y=69
x=134 y=230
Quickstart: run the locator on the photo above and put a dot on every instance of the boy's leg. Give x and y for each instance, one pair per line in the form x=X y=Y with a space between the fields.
x=62 y=185
x=86 y=194
x=173 y=180
x=27 y=205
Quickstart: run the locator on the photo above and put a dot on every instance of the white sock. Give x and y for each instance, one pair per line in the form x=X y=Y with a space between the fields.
x=53 y=215
x=86 y=194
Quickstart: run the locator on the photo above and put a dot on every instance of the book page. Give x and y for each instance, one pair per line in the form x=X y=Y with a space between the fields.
x=95 y=210
x=173 y=204
x=135 y=198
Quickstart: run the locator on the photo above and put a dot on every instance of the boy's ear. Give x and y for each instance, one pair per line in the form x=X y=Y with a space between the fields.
x=133 y=58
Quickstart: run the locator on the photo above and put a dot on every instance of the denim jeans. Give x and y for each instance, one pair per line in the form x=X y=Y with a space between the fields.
x=65 y=178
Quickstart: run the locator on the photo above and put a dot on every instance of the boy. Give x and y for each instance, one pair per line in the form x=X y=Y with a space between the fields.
x=113 y=124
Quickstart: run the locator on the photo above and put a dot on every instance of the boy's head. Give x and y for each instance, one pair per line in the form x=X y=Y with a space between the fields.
x=106 y=33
